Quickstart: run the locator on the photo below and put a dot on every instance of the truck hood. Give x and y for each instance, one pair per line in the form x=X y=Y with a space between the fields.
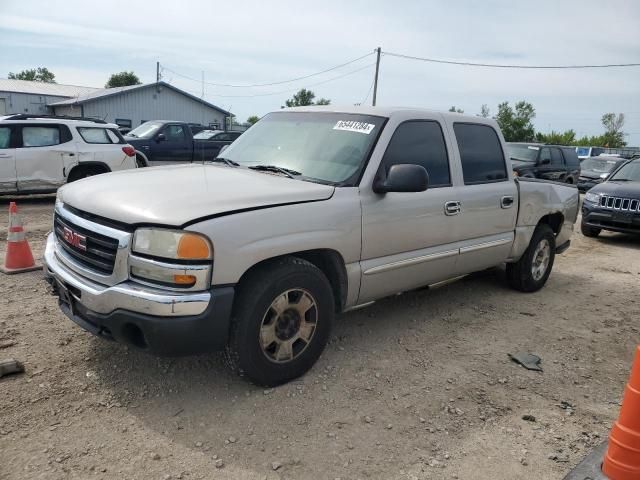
x=181 y=194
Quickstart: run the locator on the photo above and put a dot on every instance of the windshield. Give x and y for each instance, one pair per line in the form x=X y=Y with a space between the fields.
x=599 y=165
x=629 y=172
x=206 y=134
x=523 y=153
x=326 y=147
x=146 y=130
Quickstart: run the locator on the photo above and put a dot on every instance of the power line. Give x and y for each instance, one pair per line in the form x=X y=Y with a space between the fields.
x=270 y=83
x=290 y=89
x=496 y=65
x=368 y=92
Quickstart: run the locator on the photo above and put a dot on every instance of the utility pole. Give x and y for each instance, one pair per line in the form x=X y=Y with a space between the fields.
x=375 y=80
x=157 y=76
x=202 y=96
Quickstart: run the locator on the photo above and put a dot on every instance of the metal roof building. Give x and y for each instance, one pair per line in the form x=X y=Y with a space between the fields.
x=127 y=106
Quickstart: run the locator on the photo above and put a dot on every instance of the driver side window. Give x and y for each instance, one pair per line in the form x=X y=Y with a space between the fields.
x=420 y=142
x=174 y=133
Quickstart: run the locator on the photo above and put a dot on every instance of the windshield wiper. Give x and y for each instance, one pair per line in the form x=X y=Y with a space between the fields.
x=274 y=168
x=131 y=135
x=226 y=161
x=621 y=180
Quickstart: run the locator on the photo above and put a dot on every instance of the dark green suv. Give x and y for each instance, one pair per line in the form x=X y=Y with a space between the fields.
x=547 y=162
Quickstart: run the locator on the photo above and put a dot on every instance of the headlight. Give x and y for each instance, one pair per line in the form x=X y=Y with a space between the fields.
x=171 y=258
x=592 y=197
x=174 y=244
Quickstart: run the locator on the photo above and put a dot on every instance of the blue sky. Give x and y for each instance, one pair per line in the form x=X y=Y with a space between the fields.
x=258 y=42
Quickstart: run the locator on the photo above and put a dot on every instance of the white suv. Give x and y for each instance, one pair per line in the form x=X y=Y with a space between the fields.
x=38 y=154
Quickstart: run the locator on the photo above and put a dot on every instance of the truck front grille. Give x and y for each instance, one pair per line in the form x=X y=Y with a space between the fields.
x=92 y=250
x=619 y=203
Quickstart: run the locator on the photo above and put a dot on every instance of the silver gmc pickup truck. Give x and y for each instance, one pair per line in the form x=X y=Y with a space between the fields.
x=312 y=212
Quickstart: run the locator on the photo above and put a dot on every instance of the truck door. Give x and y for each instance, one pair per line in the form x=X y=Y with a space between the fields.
x=488 y=199
x=41 y=154
x=7 y=161
x=408 y=240
x=172 y=145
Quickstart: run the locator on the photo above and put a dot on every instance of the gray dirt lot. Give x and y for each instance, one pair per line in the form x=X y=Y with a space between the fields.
x=415 y=386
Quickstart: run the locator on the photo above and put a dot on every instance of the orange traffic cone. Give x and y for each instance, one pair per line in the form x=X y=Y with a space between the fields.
x=18 y=257
x=622 y=461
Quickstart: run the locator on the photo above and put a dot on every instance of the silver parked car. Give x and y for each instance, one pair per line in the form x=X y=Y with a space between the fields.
x=311 y=212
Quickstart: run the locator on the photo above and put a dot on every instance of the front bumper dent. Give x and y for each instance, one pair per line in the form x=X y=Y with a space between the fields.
x=166 y=323
x=126 y=295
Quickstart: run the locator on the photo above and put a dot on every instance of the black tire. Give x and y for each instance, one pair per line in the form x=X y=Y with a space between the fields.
x=83 y=172
x=140 y=162
x=520 y=275
x=254 y=302
x=588 y=231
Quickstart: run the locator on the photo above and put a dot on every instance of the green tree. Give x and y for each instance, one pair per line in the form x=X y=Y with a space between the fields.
x=613 y=134
x=305 y=97
x=484 y=111
x=456 y=110
x=40 y=74
x=516 y=124
x=253 y=119
x=557 y=138
x=122 y=79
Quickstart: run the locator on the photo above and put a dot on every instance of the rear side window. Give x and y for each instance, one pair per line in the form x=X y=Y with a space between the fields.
x=481 y=154
x=571 y=157
x=420 y=143
x=5 y=137
x=94 y=135
x=40 y=136
x=556 y=157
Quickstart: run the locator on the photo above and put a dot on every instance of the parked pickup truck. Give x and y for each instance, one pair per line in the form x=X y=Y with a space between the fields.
x=163 y=142
x=313 y=211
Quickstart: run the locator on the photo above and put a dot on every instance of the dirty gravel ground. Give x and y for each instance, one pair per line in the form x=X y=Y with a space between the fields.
x=415 y=386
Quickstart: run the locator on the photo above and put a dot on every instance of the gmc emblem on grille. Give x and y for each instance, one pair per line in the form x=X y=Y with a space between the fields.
x=75 y=239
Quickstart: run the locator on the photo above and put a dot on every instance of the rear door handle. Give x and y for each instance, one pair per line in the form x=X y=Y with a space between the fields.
x=452 y=208
x=506 y=201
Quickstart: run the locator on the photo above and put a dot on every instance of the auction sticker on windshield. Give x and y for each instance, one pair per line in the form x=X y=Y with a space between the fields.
x=352 y=126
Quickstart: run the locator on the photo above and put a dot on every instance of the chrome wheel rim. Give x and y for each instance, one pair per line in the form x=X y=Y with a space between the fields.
x=288 y=326
x=541 y=257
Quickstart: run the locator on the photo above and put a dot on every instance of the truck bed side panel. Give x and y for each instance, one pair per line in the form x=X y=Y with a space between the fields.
x=538 y=199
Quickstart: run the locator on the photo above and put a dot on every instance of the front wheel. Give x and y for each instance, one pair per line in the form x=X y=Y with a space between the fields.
x=588 y=231
x=530 y=273
x=281 y=323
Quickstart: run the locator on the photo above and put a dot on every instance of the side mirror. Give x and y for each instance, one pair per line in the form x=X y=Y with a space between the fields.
x=403 y=177
x=161 y=137
x=545 y=161
x=223 y=148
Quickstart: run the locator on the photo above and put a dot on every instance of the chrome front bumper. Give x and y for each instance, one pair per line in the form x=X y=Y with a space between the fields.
x=127 y=295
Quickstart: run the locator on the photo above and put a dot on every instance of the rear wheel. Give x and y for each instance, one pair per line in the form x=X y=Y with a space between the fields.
x=140 y=163
x=531 y=272
x=281 y=323
x=588 y=231
x=84 y=172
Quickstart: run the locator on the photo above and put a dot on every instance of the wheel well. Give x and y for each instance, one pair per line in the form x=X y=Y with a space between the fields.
x=554 y=220
x=328 y=261
x=140 y=159
x=85 y=167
